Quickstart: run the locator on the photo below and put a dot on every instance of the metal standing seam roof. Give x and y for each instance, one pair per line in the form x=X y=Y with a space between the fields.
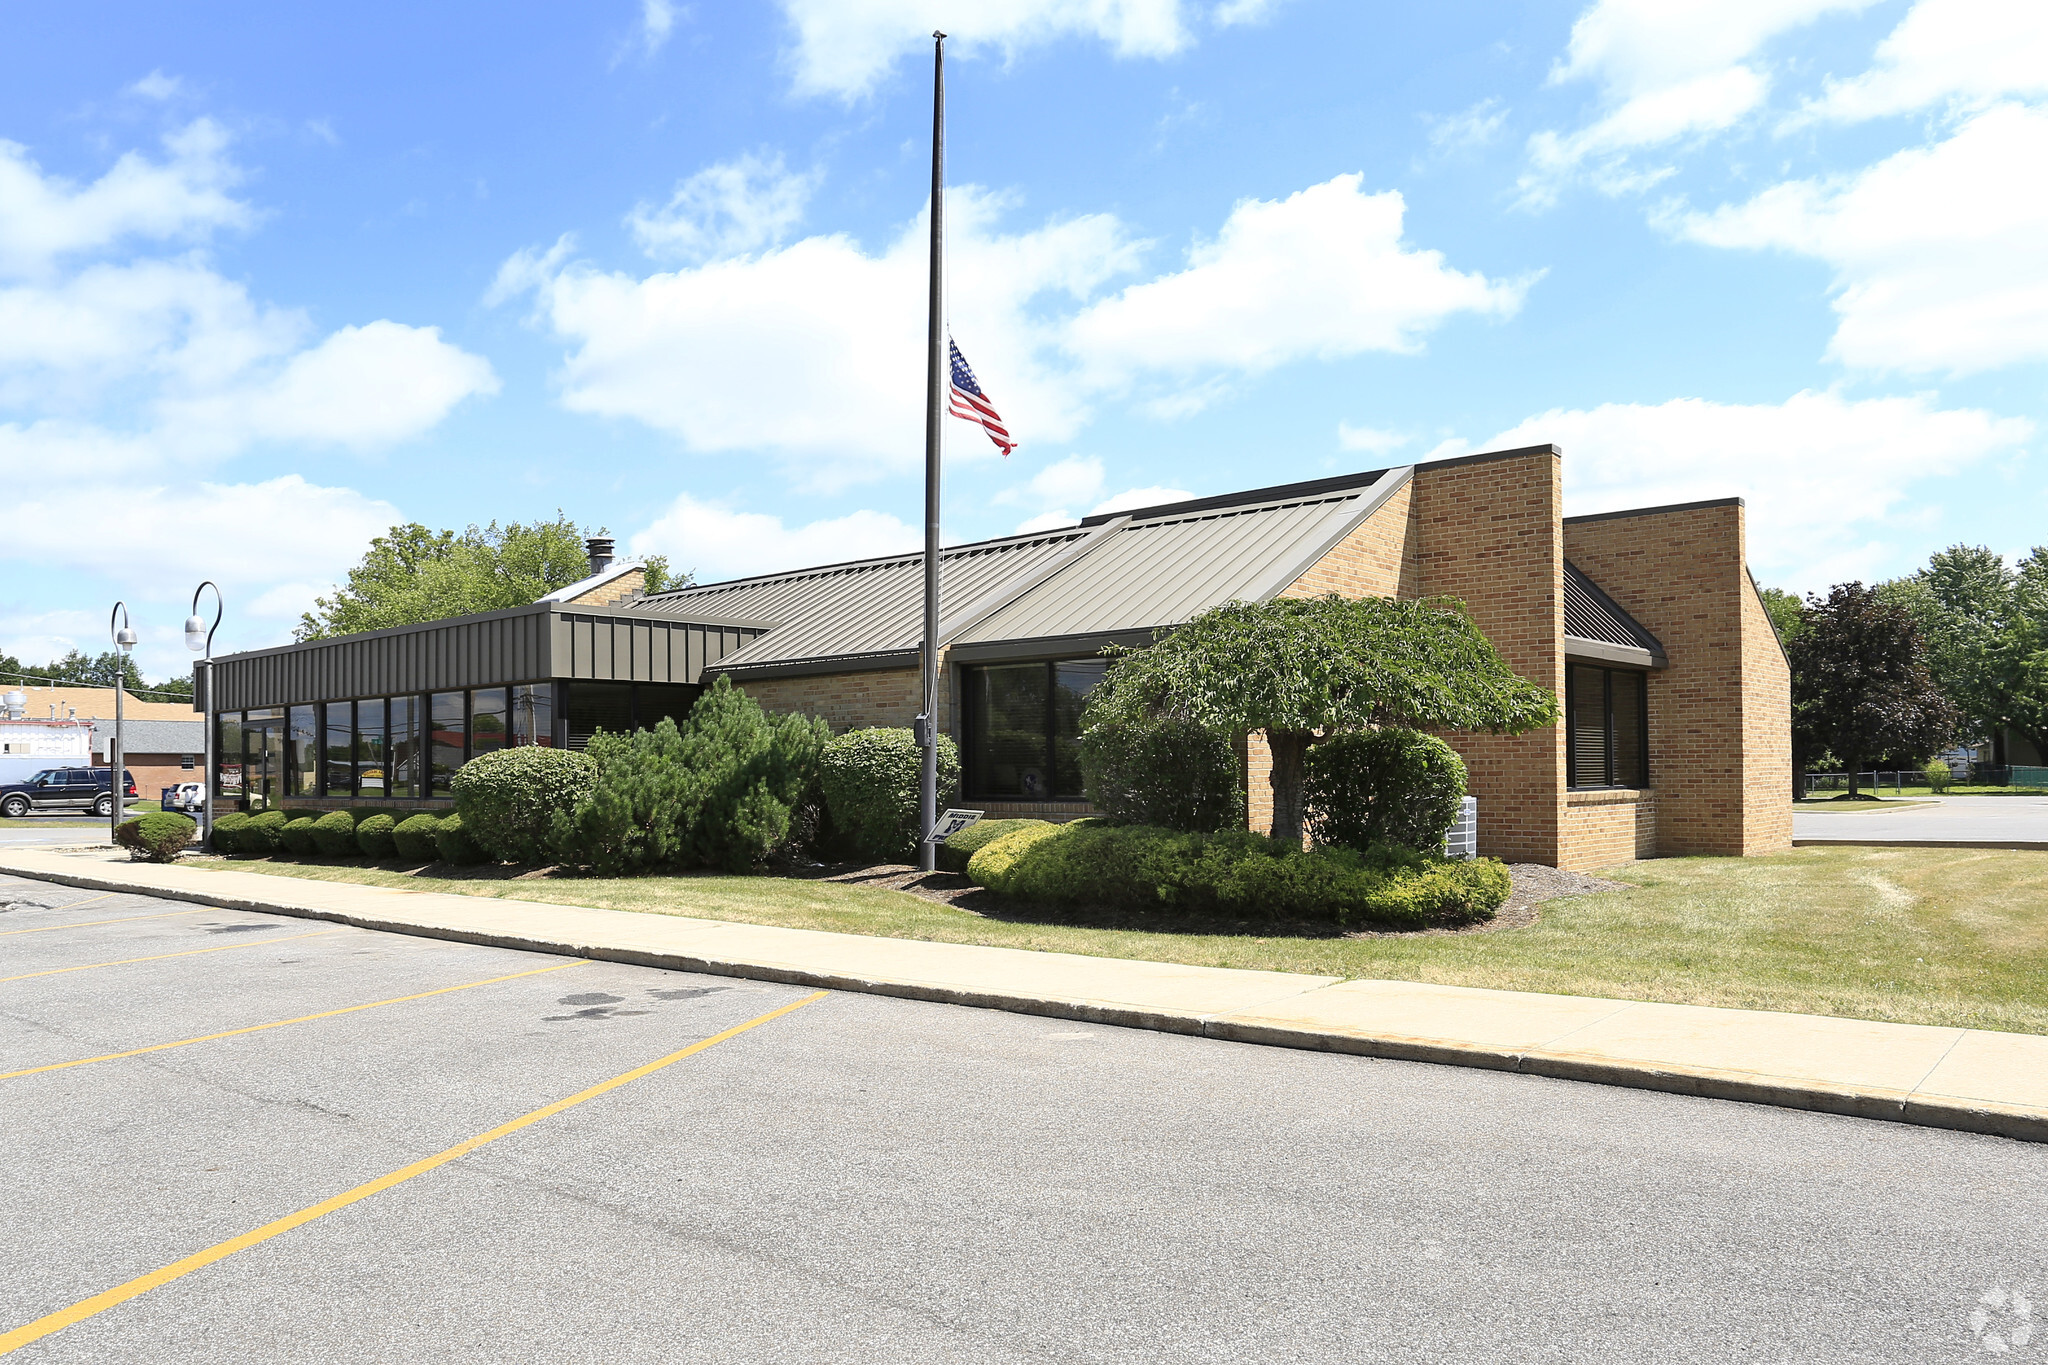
x=1590 y=614
x=1156 y=567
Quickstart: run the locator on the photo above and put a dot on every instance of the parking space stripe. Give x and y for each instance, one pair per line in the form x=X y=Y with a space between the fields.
x=195 y=952
x=280 y=1023
x=220 y=1251
x=93 y=923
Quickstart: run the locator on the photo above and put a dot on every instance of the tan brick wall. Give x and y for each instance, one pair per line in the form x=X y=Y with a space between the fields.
x=848 y=701
x=1489 y=536
x=1720 y=757
x=1380 y=558
x=626 y=585
x=1607 y=828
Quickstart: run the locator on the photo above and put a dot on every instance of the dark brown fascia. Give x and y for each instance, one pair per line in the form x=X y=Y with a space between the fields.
x=1655 y=511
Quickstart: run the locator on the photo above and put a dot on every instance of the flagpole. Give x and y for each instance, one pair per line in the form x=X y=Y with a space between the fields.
x=934 y=392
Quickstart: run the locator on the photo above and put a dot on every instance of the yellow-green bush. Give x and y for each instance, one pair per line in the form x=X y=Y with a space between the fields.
x=954 y=853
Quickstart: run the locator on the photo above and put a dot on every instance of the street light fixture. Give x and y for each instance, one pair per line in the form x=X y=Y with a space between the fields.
x=198 y=639
x=124 y=640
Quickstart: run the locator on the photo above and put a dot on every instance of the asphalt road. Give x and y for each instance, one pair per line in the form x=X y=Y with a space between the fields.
x=866 y=1179
x=2023 y=819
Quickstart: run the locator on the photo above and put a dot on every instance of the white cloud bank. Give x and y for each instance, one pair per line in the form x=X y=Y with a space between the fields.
x=1832 y=483
x=813 y=352
x=1940 y=253
x=1967 y=51
x=715 y=542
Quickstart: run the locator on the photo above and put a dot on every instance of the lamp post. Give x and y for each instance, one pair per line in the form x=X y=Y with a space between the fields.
x=124 y=640
x=199 y=639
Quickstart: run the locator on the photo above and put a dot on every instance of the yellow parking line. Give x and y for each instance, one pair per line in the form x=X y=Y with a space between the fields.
x=224 y=948
x=220 y=1251
x=91 y=923
x=280 y=1023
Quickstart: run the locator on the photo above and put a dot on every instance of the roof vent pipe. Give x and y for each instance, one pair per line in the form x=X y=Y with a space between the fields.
x=600 y=554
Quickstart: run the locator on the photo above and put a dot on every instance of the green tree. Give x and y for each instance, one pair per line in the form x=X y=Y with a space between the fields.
x=1860 y=685
x=1302 y=669
x=1787 y=612
x=1986 y=628
x=412 y=574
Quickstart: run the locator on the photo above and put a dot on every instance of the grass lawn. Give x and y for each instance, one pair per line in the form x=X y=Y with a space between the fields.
x=1911 y=935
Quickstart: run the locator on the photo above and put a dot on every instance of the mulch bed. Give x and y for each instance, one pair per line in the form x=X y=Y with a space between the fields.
x=1533 y=884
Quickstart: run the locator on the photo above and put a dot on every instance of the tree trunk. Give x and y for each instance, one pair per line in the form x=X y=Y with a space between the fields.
x=1854 y=764
x=1290 y=753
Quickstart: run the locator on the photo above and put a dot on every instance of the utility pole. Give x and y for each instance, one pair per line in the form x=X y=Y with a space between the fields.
x=934 y=415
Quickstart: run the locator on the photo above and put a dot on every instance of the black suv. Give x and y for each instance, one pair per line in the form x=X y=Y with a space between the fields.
x=64 y=789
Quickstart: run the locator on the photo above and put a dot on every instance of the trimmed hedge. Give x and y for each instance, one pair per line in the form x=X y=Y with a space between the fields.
x=373 y=836
x=414 y=837
x=334 y=834
x=872 y=780
x=297 y=836
x=1385 y=786
x=513 y=801
x=454 y=845
x=1138 y=867
x=263 y=835
x=227 y=831
x=158 y=837
x=1162 y=771
x=955 y=852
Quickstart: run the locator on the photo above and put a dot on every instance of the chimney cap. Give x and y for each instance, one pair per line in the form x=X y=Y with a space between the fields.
x=600 y=551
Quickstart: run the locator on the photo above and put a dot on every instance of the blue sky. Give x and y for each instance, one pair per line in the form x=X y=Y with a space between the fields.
x=273 y=279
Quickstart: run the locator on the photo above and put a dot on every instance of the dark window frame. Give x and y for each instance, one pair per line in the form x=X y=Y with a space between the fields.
x=1614 y=782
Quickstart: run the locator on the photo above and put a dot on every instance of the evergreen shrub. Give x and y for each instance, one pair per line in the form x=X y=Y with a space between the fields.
x=227 y=831
x=414 y=837
x=1385 y=786
x=871 y=781
x=1163 y=770
x=454 y=845
x=954 y=852
x=512 y=801
x=1137 y=867
x=334 y=834
x=297 y=836
x=263 y=835
x=373 y=836
x=158 y=837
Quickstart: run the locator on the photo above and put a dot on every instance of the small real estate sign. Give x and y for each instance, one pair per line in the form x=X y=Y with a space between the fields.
x=950 y=824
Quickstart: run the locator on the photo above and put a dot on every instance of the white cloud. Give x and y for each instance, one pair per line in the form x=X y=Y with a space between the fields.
x=1047 y=521
x=1324 y=273
x=1940 y=253
x=657 y=23
x=846 y=47
x=157 y=86
x=1972 y=51
x=1231 y=12
x=1153 y=495
x=1667 y=69
x=729 y=209
x=1076 y=479
x=715 y=542
x=1473 y=127
x=1833 y=484
x=1371 y=440
x=183 y=197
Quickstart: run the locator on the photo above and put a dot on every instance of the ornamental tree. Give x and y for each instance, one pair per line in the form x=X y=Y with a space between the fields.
x=1860 y=684
x=1303 y=669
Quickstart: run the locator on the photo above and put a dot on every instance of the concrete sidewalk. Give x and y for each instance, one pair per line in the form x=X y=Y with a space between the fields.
x=1966 y=1079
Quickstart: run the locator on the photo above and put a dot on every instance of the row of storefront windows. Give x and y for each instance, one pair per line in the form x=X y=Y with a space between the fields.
x=377 y=747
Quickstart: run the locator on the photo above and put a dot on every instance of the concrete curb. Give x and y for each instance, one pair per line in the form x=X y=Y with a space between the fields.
x=2021 y=845
x=2021 y=1121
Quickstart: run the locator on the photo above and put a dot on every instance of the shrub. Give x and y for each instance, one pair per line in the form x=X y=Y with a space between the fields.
x=1163 y=771
x=1938 y=775
x=297 y=835
x=414 y=837
x=227 y=831
x=1385 y=786
x=373 y=836
x=156 y=838
x=720 y=790
x=512 y=800
x=1137 y=867
x=334 y=834
x=954 y=853
x=454 y=845
x=263 y=835
x=871 y=781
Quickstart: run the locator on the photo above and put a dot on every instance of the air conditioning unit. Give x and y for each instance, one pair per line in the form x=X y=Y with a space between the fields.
x=1462 y=839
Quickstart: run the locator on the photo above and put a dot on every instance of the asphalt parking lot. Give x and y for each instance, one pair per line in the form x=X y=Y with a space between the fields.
x=856 y=1178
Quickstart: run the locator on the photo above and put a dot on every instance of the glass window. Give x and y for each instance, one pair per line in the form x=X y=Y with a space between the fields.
x=370 y=751
x=1605 y=740
x=595 y=706
x=447 y=739
x=533 y=715
x=227 y=751
x=1007 y=723
x=402 y=716
x=302 y=750
x=1072 y=681
x=486 y=720
x=340 y=748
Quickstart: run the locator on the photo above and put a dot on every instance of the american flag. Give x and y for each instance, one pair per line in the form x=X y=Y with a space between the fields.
x=971 y=403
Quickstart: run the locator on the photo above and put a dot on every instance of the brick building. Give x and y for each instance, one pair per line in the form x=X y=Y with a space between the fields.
x=1645 y=623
